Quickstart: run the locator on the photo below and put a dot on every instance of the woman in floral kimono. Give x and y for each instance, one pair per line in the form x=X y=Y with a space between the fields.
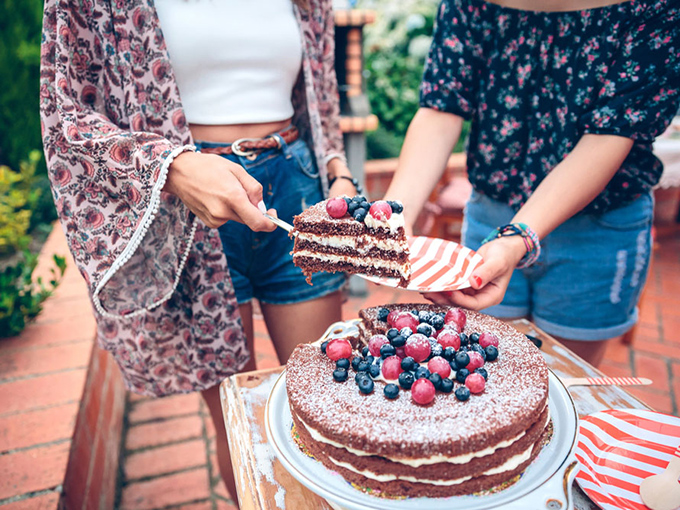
x=140 y=206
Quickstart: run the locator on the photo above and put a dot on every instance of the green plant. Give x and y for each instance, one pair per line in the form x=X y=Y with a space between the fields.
x=18 y=198
x=20 y=297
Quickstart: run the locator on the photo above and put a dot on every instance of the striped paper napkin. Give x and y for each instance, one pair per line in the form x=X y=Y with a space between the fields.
x=617 y=449
x=437 y=265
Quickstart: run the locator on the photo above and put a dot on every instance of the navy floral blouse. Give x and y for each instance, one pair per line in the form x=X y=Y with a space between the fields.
x=533 y=83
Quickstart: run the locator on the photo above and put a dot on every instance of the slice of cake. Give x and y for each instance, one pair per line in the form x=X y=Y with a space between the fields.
x=431 y=401
x=353 y=236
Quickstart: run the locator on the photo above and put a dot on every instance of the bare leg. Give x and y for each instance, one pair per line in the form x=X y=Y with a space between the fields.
x=290 y=325
x=211 y=396
x=592 y=352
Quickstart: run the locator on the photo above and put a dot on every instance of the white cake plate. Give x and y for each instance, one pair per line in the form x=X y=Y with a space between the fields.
x=546 y=483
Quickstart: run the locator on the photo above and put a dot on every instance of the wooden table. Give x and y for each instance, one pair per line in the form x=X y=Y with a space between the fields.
x=264 y=484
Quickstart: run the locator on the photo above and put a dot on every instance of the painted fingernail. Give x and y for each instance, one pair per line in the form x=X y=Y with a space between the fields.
x=262 y=207
x=476 y=280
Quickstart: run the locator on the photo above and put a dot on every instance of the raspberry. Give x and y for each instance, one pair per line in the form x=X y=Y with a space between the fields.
x=422 y=391
x=476 y=361
x=338 y=348
x=406 y=320
x=418 y=347
x=401 y=352
x=439 y=365
x=475 y=383
x=449 y=338
x=336 y=207
x=391 y=368
x=486 y=339
x=380 y=210
x=375 y=343
x=457 y=317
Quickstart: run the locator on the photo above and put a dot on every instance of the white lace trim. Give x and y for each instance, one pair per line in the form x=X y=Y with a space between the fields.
x=138 y=236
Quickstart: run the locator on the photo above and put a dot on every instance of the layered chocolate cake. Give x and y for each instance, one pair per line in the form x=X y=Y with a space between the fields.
x=429 y=401
x=353 y=236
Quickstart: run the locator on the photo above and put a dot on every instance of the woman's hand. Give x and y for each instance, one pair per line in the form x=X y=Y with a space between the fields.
x=341 y=187
x=217 y=190
x=490 y=280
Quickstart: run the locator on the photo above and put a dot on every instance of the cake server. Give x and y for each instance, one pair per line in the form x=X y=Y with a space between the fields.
x=279 y=223
x=605 y=381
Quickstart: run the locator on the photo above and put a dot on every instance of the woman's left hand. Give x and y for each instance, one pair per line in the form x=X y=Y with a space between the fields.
x=336 y=168
x=490 y=280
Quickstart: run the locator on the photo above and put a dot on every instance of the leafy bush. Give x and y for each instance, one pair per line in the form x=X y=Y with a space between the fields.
x=20 y=297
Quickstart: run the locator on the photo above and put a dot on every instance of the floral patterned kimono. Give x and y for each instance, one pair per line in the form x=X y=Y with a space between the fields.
x=112 y=122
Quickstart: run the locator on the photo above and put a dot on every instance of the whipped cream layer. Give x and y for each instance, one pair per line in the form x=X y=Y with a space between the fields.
x=360 y=243
x=403 y=268
x=395 y=222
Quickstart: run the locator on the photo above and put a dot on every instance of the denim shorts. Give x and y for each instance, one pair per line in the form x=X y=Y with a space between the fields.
x=260 y=263
x=587 y=281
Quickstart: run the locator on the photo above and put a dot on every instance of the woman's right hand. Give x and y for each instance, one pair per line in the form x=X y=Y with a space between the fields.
x=217 y=190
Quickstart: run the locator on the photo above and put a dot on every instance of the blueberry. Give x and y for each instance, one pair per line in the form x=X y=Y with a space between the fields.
x=408 y=363
x=406 y=380
x=374 y=370
x=370 y=358
x=391 y=333
x=422 y=373
x=446 y=386
x=391 y=391
x=462 y=359
x=352 y=207
x=387 y=350
x=474 y=338
x=360 y=215
x=340 y=374
x=405 y=332
x=363 y=366
x=482 y=372
x=399 y=341
x=348 y=201
x=454 y=367
x=415 y=312
x=355 y=363
x=425 y=329
x=479 y=349
x=491 y=352
x=462 y=374
x=449 y=353
x=382 y=314
x=365 y=204
x=436 y=380
x=323 y=346
x=436 y=349
x=360 y=376
x=464 y=340
x=342 y=363
x=366 y=385
x=424 y=316
x=365 y=351
x=357 y=199
x=397 y=207
x=462 y=393
x=437 y=322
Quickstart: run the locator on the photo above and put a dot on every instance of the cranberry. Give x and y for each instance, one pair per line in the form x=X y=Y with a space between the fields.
x=375 y=343
x=336 y=207
x=449 y=338
x=422 y=391
x=380 y=210
x=486 y=339
x=391 y=368
x=439 y=365
x=338 y=348
x=456 y=316
x=475 y=383
x=476 y=360
x=417 y=346
x=406 y=320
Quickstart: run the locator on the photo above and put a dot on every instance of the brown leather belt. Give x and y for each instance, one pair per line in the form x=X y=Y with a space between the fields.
x=249 y=146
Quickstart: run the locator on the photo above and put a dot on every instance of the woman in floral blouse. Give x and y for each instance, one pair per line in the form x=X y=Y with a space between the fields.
x=139 y=206
x=564 y=104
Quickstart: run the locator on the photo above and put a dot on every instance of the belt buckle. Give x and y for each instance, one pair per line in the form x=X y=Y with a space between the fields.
x=247 y=153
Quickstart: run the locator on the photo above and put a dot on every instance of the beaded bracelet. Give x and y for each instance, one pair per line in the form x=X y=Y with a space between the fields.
x=353 y=180
x=529 y=237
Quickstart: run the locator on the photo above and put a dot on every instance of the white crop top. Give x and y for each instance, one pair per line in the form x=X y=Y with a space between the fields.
x=236 y=61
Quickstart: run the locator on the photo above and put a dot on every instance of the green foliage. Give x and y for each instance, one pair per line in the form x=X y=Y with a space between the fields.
x=20 y=297
x=18 y=198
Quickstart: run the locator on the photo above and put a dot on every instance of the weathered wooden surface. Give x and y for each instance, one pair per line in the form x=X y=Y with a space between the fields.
x=264 y=484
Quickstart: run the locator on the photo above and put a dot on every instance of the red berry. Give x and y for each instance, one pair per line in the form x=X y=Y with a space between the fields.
x=474 y=382
x=440 y=366
x=391 y=368
x=380 y=210
x=486 y=339
x=406 y=320
x=457 y=317
x=336 y=207
x=391 y=316
x=422 y=391
x=449 y=338
x=375 y=343
x=338 y=348
x=401 y=352
x=417 y=346
x=476 y=360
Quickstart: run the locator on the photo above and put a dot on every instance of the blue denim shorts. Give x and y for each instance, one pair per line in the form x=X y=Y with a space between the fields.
x=260 y=263
x=587 y=281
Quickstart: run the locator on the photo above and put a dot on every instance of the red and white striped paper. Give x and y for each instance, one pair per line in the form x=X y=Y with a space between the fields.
x=437 y=265
x=617 y=449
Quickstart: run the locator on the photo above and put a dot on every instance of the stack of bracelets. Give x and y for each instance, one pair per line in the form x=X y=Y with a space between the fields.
x=528 y=236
